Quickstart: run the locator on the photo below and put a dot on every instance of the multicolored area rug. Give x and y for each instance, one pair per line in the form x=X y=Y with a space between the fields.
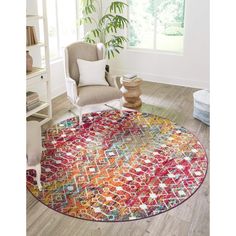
x=118 y=168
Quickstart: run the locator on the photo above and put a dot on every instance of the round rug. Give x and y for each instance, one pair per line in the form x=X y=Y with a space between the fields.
x=118 y=168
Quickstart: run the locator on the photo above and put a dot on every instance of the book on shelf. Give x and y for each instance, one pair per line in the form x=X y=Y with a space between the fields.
x=31 y=95
x=31 y=37
x=31 y=107
x=129 y=77
x=32 y=98
x=34 y=35
x=30 y=102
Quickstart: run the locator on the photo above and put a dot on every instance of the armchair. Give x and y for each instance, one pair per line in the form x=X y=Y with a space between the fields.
x=92 y=94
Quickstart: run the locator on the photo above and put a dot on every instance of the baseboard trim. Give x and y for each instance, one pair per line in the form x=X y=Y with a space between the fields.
x=165 y=80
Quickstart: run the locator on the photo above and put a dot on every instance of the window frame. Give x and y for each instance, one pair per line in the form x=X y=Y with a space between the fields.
x=155 y=50
x=60 y=55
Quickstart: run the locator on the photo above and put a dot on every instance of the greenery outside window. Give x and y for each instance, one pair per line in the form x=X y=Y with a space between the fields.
x=156 y=25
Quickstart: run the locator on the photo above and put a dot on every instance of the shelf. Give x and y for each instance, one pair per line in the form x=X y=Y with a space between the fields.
x=34 y=17
x=39 y=108
x=35 y=46
x=38 y=79
x=35 y=72
x=41 y=118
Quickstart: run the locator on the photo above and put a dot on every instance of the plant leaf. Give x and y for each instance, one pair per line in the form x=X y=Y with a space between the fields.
x=85 y=20
x=117 y=6
x=95 y=32
x=107 y=17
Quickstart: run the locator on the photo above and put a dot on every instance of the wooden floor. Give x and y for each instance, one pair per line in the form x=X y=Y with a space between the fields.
x=189 y=219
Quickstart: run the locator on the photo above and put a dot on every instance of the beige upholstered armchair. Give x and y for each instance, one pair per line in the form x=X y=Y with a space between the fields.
x=92 y=94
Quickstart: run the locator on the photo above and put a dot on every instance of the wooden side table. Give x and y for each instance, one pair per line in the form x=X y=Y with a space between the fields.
x=131 y=92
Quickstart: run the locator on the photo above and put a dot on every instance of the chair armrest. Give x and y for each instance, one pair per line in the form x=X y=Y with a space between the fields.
x=71 y=89
x=114 y=80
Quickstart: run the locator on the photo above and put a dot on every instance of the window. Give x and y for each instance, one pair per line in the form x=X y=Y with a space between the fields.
x=156 y=24
x=63 y=25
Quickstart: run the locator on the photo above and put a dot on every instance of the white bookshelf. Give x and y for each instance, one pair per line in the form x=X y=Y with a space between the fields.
x=38 y=80
x=37 y=71
x=34 y=17
x=35 y=45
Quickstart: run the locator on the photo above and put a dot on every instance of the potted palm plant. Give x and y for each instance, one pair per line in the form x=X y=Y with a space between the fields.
x=106 y=23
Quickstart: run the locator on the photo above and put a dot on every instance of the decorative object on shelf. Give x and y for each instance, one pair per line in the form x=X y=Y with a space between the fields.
x=106 y=26
x=29 y=62
x=118 y=168
x=32 y=100
x=131 y=91
x=31 y=37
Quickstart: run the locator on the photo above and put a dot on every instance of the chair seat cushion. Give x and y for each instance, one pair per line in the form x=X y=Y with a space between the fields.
x=97 y=94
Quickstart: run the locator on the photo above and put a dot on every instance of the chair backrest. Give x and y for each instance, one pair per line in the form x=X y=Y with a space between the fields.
x=82 y=50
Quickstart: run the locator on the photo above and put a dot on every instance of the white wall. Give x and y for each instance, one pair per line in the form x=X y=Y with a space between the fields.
x=58 y=85
x=191 y=69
